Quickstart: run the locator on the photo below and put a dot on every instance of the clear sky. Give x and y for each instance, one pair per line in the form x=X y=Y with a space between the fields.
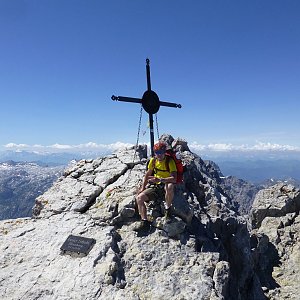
x=234 y=66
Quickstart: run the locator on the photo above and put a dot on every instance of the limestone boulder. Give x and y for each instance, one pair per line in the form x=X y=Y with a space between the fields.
x=275 y=201
x=275 y=240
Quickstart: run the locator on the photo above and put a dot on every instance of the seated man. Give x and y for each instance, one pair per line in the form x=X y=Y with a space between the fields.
x=161 y=179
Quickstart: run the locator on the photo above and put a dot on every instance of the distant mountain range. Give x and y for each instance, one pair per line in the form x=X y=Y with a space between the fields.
x=258 y=171
x=25 y=175
x=20 y=184
x=51 y=159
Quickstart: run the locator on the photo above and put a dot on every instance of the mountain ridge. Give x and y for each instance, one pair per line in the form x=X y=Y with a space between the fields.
x=20 y=184
x=207 y=251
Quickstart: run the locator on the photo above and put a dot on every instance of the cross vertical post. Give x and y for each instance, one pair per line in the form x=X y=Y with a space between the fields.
x=148 y=74
x=150 y=114
x=150 y=102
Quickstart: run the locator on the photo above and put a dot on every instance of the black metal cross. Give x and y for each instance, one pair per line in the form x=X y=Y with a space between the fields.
x=150 y=103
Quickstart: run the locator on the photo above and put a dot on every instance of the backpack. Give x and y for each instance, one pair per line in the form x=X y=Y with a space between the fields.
x=170 y=154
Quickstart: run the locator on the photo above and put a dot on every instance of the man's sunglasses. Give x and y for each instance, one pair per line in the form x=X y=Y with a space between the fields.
x=159 y=152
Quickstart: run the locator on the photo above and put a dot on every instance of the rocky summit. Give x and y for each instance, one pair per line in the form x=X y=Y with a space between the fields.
x=206 y=250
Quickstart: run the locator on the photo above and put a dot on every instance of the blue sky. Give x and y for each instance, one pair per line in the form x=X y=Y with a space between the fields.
x=233 y=65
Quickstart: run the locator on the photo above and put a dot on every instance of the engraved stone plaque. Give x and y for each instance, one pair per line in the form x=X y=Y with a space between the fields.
x=77 y=245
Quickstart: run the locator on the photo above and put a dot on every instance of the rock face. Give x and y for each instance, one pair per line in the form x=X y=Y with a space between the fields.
x=241 y=192
x=276 y=240
x=205 y=252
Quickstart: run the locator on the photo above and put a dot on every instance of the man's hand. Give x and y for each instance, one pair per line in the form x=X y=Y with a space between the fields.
x=153 y=179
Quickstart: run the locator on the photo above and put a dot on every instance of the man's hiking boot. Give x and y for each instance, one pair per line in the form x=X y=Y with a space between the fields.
x=144 y=225
x=168 y=214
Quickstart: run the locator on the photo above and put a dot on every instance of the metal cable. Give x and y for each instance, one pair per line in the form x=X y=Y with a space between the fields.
x=157 y=126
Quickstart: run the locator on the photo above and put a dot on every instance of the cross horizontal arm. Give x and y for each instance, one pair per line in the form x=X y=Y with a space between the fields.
x=126 y=99
x=168 y=104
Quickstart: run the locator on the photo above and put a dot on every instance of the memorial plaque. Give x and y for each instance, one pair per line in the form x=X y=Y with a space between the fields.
x=77 y=245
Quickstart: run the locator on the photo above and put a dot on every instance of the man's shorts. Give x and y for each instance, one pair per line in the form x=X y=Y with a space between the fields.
x=155 y=192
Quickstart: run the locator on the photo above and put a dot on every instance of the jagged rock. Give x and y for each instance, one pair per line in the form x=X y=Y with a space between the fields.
x=181 y=206
x=173 y=228
x=203 y=252
x=275 y=240
x=241 y=192
x=221 y=278
x=31 y=263
x=275 y=201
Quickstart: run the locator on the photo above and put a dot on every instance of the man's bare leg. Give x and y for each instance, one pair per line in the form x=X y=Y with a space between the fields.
x=169 y=188
x=141 y=199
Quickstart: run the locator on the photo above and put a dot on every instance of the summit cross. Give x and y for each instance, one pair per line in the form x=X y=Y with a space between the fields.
x=150 y=103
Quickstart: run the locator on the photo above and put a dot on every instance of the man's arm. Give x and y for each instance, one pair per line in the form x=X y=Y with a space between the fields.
x=171 y=179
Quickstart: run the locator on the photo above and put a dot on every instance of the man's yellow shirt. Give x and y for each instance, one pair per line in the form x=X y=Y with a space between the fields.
x=160 y=167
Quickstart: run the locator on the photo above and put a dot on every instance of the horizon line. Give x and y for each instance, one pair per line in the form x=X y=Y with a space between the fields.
x=195 y=146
